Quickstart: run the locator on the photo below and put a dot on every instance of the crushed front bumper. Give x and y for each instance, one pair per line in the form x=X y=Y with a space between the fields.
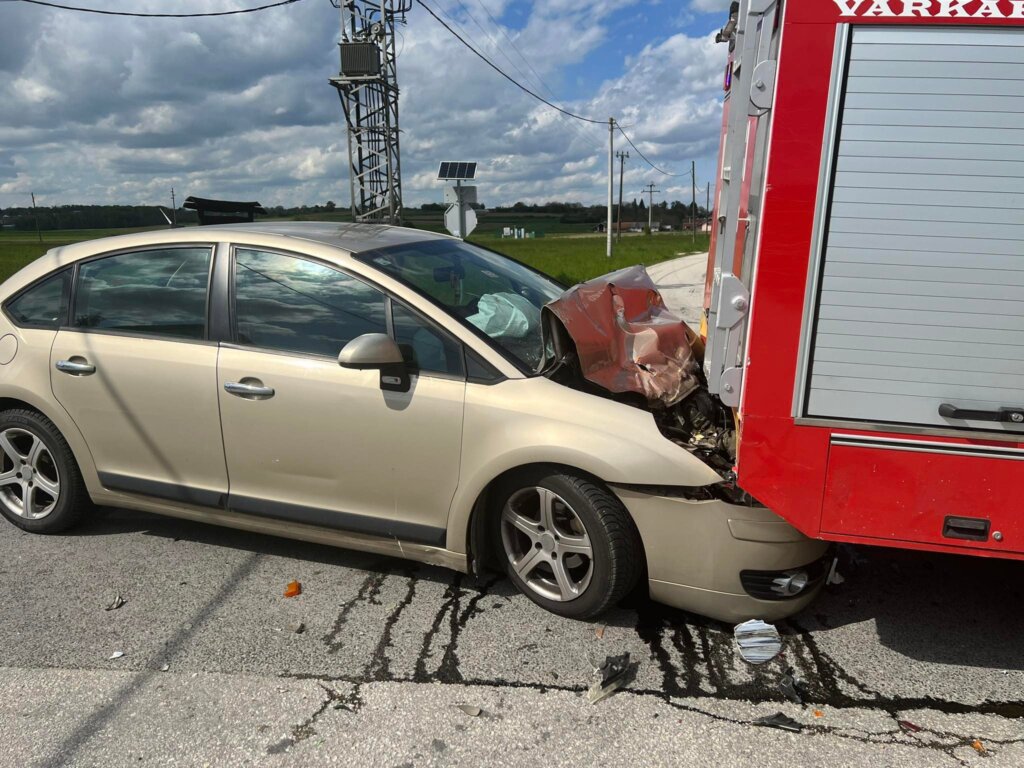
x=697 y=550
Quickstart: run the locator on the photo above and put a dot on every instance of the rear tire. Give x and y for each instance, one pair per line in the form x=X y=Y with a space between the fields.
x=566 y=541
x=41 y=487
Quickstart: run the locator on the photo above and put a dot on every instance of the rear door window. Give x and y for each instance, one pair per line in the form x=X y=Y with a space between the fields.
x=155 y=292
x=44 y=305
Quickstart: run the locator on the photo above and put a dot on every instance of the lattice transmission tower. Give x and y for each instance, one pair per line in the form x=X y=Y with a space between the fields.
x=368 y=86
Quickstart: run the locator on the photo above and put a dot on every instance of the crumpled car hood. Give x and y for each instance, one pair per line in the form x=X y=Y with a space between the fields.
x=626 y=339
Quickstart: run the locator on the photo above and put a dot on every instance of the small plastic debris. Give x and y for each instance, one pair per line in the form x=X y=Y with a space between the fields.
x=833 y=573
x=906 y=725
x=613 y=674
x=115 y=655
x=471 y=709
x=979 y=747
x=758 y=641
x=297 y=627
x=165 y=667
x=294 y=589
x=818 y=713
x=117 y=603
x=788 y=688
x=780 y=721
x=599 y=632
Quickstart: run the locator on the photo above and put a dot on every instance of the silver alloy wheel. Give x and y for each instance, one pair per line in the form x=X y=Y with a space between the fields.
x=547 y=544
x=29 y=481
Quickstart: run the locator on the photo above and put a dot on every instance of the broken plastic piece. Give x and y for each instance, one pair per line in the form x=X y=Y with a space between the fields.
x=599 y=632
x=115 y=655
x=117 y=603
x=818 y=713
x=833 y=573
x=471 y=709
x=294 y=589
x=789 y=689
x=758 y=641
x=165 y=667
x=781 y=721
x=625 y=337
x=979 y=747
x=297 y=627
x=906 y=725
x=613 y=674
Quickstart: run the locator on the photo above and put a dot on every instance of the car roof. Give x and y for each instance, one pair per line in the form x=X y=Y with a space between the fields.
x=354 y=238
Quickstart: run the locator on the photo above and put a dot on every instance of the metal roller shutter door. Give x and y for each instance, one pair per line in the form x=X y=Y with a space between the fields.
x=922 y=292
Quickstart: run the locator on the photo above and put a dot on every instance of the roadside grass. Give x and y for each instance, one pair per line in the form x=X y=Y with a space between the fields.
x=570 y=259
x=575 y=259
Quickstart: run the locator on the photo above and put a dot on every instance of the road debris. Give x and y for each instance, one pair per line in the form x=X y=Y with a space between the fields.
x=599 y=632
x=758 y=641
x=294 y=589
x=117 y=603
x=834 y=576
x=165 y=667
x=297 y=627
x=908 y=726
x=613 y=674
x=789 y=687
x=115 y=655
x=780 y=721
x=470 y=709
x=979 y=747
x=818 y=713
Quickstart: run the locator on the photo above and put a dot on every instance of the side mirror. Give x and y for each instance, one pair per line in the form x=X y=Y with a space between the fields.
x=377 y=351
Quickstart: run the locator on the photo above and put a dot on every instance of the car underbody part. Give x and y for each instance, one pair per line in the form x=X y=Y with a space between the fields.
x=614 y=674
x=758 y=641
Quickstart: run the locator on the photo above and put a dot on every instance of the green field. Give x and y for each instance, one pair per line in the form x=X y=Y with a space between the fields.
x=569 y=258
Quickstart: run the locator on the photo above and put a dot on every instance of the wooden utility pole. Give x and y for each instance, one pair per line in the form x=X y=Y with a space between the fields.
x=618 y=218
x=611 y=183
x=693 y=203
x=36 y=212
x=174 y=210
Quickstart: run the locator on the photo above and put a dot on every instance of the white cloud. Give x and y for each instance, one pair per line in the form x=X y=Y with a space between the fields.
x=95 y=109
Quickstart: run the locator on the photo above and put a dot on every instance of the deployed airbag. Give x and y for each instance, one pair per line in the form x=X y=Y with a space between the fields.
x=626 y=339
x=505 y=315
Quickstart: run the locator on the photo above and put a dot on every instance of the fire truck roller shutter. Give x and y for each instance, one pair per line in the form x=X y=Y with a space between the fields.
x=921 y=299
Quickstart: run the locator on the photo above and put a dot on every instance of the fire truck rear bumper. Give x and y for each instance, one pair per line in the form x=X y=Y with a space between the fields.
x=726 y=561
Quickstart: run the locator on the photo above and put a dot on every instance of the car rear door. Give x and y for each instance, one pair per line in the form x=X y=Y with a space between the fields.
x=136 y=371
x=314 y=443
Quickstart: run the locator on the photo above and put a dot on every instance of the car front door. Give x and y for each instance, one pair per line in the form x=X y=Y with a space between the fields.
x=135 y=370
x=314 y=443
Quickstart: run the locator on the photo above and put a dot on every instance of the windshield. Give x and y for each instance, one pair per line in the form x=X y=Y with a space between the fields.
x=496 y=296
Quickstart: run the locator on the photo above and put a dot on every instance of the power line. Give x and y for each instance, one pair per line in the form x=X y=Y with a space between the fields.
x=642 y=155
x=160 y=15
x=501 y=72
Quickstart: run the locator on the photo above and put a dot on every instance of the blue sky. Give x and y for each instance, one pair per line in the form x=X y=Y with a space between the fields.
x=101 y=109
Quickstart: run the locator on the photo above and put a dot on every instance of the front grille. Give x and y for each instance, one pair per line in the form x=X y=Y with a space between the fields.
x=759 y=583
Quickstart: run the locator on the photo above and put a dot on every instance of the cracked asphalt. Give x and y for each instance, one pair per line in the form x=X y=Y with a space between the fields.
x=914 y=660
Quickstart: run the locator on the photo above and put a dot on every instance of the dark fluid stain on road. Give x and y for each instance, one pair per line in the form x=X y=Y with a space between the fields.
x=695 y=657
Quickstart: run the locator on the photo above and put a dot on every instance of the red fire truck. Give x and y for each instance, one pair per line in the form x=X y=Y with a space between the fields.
x=865 y=292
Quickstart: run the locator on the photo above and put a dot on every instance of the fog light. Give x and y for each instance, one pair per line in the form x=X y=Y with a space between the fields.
x=790 y=583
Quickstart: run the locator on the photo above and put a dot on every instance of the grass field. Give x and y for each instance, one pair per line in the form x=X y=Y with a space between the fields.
x=570 y=258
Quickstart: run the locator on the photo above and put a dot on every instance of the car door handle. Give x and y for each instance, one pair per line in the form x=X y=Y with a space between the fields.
x=251 y=389
x=75 y=368
x=1011 y=415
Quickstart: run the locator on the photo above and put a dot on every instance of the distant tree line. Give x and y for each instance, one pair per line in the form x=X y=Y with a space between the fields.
x=125 y=216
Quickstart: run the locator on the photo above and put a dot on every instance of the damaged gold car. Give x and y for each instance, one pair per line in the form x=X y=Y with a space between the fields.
x=392 y=391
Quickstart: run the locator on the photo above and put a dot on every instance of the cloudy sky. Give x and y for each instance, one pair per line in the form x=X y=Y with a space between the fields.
x=100 y=109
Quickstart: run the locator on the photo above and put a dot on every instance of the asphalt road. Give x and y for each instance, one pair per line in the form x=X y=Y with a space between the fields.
x=212 y=673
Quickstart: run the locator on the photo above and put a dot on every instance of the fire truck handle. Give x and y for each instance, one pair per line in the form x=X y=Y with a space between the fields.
x=1012 y=415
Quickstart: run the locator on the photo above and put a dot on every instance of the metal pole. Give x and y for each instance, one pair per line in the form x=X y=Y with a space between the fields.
x=707 y=207
x=693 y=203
x=462 y=208
x=611 y=177
x=618 y=216
x=174 y=210
x=650 y=208
x=40 y=234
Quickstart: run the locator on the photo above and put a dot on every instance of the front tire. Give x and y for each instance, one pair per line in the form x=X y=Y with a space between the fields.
x=566 y=541
x=41 y=488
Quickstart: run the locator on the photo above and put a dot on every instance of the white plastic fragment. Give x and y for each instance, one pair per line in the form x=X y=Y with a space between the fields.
x=115 y=655
x=470 y=709
x=165 y=667
x=757 y=640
